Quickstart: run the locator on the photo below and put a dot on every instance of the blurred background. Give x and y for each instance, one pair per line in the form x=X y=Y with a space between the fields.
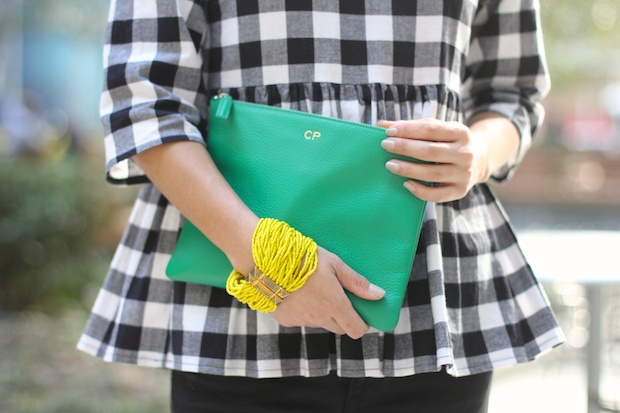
x=60 y=221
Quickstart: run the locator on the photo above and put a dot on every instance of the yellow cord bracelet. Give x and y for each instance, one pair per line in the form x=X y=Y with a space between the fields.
x=284 y=259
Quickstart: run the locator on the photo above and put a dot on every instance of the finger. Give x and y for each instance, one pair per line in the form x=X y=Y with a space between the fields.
x=436 y=173
x=285 y=319
x=357 y=284
x=438 y=194
x=344 y=319
x=333 y=327
x=436 y=152
x=342 y=310
x=351 y=323
x=385 y=123
x=426 y=129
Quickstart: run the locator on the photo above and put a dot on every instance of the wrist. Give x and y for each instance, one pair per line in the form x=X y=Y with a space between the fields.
x=497 y=143
x=240 y=255
x=283 y=260
x=483 y=168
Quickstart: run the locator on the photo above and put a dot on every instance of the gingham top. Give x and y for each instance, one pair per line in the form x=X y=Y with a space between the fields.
x=472 y=304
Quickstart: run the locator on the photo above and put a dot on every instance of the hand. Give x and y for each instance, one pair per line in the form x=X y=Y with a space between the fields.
x=457 y=161
x=322 y=302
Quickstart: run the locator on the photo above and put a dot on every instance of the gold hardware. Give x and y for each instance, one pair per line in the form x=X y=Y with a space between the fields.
x=266 y=286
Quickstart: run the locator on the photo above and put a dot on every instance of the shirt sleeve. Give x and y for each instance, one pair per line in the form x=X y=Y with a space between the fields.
x=153 y=87
x=506 y=69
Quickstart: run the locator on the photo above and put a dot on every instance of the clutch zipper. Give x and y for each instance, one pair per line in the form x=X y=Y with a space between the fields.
x=226 y=104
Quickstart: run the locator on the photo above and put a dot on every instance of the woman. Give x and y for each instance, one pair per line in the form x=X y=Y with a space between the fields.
x=455 y=83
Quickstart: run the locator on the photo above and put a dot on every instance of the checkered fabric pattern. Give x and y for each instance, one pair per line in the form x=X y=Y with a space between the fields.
x=472 y=304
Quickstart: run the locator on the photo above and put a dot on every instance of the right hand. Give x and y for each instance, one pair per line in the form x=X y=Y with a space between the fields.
x=322 y=302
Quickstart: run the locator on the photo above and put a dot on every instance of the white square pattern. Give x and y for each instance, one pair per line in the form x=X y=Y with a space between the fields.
x=383 y=24
x=326 y=25
x=490 y=316
x=272 y=25
x=429 y=29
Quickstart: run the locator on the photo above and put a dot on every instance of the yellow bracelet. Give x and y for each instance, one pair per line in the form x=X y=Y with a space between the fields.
x=284 y=259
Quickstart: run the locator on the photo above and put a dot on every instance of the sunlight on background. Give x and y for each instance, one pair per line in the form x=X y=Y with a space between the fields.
x=565 y=204
x=59 y=221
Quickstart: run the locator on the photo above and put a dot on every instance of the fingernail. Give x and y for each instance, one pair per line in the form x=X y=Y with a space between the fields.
x=391 y=131
x=376 y=291
x=388 y=144
x=392 y=166
x=409 y=186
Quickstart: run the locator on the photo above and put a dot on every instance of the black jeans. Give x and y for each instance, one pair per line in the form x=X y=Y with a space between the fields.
x=422 y=393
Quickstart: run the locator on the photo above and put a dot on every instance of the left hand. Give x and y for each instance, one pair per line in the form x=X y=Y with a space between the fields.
x=456 y=160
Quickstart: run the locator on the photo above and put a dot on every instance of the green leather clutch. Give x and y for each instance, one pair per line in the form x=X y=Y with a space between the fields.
x=326 y=178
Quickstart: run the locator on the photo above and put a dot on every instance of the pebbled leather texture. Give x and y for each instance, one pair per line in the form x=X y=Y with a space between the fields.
x=326 y=178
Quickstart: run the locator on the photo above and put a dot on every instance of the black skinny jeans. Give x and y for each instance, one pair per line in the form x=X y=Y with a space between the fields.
x=422 y=393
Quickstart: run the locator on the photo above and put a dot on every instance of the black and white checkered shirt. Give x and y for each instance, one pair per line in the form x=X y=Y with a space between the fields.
x=473 y=303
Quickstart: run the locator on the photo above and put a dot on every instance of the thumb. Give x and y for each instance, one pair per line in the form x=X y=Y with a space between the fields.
x=357 y=284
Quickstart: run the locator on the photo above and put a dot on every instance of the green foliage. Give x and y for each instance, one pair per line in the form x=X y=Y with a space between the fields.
x=48 y=214
x=581 y=38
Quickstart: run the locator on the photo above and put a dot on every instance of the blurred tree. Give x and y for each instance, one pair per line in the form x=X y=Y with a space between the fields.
x=49 y=214
x=75 y=17
x=581 y=38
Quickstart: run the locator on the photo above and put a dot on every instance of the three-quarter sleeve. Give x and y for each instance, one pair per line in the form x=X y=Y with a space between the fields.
x=153 y=87
x=506 y=71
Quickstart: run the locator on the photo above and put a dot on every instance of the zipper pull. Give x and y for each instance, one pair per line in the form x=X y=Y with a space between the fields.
x=224 y=106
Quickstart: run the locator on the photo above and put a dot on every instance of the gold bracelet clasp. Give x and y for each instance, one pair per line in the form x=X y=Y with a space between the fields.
x=266 y=286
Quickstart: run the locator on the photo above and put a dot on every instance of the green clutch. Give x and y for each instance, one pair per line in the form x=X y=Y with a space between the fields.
x=326 y=178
